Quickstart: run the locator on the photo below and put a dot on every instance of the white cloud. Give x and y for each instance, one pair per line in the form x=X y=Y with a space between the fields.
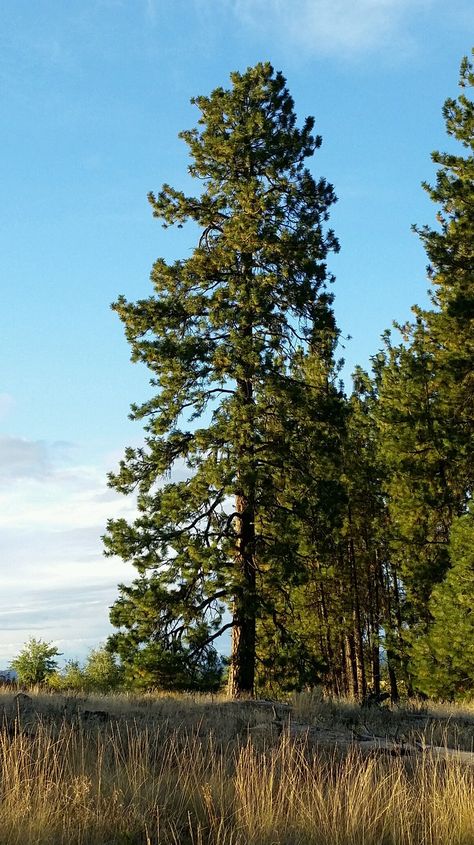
x=324 y=27
x=56 y=583
x=63 y=499
x=20 y=458
x=73 y=617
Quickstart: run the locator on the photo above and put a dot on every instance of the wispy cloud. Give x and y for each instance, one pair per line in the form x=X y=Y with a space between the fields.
x=21 y=458
x=324 y=27
x=73 y=617
x=56 y=583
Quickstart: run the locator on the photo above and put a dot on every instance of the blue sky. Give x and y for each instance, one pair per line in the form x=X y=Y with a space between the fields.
x=93 y=95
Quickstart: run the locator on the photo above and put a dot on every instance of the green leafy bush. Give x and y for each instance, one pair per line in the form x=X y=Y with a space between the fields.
x=36 y=662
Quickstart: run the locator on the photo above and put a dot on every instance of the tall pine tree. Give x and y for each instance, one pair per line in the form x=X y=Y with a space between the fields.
x=312 y=493
x=426 y=408
x=221 y=334
x=450 y=250
x=442 y=660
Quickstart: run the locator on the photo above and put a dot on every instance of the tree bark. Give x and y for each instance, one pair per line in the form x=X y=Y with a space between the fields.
x=358 y=633
x=394 y=695
x=243 y=653
x=375 y=625
x=351 y=666
x=242 y=665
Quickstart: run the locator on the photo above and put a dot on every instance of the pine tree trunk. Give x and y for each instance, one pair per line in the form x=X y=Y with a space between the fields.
x=358 y=633
x=394 y=696
x=344 y=672
x=327 y=648
x=351 y=666
x=243 y=653
x=242 y=666
x=375 y=624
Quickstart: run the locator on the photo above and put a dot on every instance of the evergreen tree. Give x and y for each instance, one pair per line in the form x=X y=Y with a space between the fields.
x=450 y=249
x=443 y=659
x=371 y=594
x=332 y=625
x=312 y=493
x=351 y=600
x=424 y=483
x=222 y=335
x=426 y=407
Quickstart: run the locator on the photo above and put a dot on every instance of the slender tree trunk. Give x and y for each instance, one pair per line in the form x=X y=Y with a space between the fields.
x=394 y=695
x=376 y=667
x=375 y=626
x=333 y=669
x=344 y=682
x=351 y=664
x=358 y=633
x=402 y=655
x=394 y=629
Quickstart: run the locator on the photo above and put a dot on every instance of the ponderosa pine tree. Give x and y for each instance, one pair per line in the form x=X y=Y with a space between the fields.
x=426 y=399
x=290 y=654
x=371 y=598
x=347 y=609
x=220 y=335
x=450 y=250
x=423 y=480
x=442 y=661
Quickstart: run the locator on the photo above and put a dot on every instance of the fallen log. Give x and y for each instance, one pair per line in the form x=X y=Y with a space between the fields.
x=451 y=754
x=380 y=746
x=408 y=749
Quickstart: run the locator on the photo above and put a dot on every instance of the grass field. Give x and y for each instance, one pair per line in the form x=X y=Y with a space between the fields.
x=168 y=770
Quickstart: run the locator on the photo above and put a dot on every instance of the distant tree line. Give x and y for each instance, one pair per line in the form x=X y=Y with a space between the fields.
x=37 y=664
x=329 y=533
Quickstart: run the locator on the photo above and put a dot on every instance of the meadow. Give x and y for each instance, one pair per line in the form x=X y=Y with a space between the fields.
x=200 y=770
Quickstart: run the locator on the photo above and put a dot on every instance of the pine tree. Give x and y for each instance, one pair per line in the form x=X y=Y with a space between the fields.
x=423 y=483
x=425 y=383
x=221 y=334
x=371 y=593
x=351 y=601
x=442 y=661
x=426 y=407
x=311 y=490
x=450 y=250
x=332 y=625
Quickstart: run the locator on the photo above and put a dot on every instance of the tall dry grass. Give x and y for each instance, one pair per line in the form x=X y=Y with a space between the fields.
x=130 y=783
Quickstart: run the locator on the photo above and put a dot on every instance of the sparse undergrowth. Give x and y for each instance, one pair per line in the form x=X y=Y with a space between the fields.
x=168 y=770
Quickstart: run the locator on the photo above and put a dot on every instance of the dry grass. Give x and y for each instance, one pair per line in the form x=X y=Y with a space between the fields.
x=172 y=771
